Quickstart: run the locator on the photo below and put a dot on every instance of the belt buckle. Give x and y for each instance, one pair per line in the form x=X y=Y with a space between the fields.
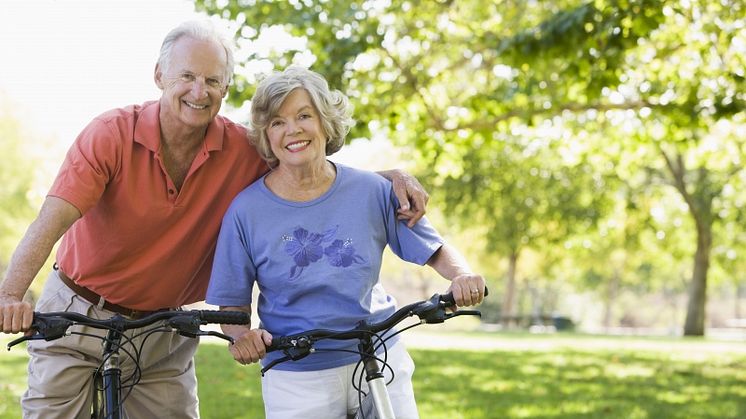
x=137 y=314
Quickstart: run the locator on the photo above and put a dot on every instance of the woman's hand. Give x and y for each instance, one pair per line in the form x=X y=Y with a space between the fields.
x=467 y=289
x=250 y=345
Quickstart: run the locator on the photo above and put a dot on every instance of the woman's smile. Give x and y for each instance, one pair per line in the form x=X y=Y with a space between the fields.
x=297 y=146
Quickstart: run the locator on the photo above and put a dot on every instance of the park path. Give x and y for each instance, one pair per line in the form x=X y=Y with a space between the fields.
x=428 y=337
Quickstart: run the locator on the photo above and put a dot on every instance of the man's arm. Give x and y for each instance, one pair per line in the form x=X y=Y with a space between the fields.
x=250 y=345
x=466 y=286
x=410 y=193
x=55 y=217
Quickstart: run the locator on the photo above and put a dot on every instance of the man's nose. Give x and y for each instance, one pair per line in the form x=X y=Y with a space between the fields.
x=199 y=87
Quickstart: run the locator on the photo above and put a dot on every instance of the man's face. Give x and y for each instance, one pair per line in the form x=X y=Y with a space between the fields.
x=193 y=83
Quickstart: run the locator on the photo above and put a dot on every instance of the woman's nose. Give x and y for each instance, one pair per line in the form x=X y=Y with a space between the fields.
x=292 y=128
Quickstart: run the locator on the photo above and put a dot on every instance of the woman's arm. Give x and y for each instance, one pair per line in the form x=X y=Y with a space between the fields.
x=467 y=287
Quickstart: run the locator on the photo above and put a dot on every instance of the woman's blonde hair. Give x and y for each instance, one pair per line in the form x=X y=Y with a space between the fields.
x=332 y=105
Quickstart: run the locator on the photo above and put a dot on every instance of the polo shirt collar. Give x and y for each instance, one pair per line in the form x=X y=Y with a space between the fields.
x=148 y=129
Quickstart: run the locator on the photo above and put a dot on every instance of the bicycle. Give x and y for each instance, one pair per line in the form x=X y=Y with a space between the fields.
x=375 y=404
x=108 y=384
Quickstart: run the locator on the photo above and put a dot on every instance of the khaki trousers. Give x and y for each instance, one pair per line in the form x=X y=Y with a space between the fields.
x=60 y=372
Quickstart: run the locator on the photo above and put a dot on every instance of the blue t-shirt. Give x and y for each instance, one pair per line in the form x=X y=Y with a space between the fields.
x=316 y=263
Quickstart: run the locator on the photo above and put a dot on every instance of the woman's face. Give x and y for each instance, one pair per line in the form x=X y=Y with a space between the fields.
x=295 y=134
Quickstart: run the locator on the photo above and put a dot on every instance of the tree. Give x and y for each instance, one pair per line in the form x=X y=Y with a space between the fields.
x=472 y=85
x=16 y=182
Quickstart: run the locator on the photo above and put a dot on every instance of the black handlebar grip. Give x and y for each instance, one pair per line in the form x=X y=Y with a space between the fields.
x=448 y=299
x=225 y=317
x=276 y=344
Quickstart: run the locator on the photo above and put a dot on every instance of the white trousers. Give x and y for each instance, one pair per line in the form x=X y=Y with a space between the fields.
x=330 y=394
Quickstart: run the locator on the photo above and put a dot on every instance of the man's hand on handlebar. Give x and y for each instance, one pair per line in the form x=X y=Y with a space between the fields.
x=15 y=315
x=250 y=344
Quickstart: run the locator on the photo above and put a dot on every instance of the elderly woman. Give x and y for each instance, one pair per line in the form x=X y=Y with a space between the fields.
x=311 y=234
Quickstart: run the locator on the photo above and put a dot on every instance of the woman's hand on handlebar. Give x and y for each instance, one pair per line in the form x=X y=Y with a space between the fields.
x=467 y=289
x=250 y=344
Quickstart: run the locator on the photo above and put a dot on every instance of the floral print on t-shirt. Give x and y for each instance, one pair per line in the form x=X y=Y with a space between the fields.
x=306 y=247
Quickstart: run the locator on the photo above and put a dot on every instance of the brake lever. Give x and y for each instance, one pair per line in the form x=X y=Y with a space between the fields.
x=24 y=338
x=273 y=363
x=463 y=313
x=217 y=334
x=187 y=325
x=298 y=348
x=46 y=329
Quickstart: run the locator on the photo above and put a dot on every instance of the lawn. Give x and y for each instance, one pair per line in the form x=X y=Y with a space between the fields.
x=510 y=376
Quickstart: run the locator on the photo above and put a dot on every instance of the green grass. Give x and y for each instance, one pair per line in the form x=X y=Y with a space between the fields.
x=514 y=376
x=13 y=381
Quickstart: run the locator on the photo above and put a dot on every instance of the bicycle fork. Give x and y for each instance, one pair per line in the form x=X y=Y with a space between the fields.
x=108 y=381
x=376 y=381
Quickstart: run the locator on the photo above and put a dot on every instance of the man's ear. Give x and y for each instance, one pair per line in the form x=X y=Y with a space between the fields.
x=158 y=76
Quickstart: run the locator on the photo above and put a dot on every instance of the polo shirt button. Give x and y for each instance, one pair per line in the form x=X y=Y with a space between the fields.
x=171 y=191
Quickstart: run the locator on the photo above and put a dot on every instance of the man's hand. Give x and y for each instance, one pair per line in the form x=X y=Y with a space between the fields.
x=410 y=193
x=15 y=315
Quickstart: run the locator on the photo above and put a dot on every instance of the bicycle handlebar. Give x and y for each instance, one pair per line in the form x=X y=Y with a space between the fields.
x=429 y=311
x=54 y=325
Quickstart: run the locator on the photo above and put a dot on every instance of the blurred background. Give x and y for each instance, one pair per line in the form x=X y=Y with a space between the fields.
x=586 y=156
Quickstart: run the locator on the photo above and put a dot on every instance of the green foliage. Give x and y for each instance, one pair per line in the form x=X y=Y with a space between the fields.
x=530 y=119
x=16 y=182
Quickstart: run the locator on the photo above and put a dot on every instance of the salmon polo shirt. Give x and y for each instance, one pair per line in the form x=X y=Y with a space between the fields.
x=140 y=242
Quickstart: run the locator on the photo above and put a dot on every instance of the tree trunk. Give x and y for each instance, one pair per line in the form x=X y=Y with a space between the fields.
x=700 y=207
x=610 y=298
x=737 y=302
x=506 y=310
x=694 y=325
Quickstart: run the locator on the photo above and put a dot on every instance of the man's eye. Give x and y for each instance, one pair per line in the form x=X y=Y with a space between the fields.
x=214 y=83
x=186 y=77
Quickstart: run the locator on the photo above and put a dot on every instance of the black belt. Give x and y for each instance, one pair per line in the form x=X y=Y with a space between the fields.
x=96 y=299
